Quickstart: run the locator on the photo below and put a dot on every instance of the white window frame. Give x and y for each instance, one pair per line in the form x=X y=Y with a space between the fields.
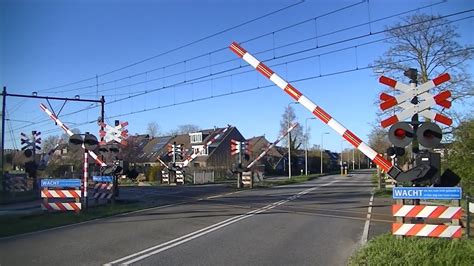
x=195 y=137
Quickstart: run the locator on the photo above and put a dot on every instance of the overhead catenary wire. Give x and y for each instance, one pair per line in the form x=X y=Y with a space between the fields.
x=189 y=81
x=233 y=92
x=256 y=38
x=181 y=47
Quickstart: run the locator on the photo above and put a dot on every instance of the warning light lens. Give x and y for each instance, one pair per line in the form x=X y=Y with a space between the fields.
x=400 y=133
x=428 y=134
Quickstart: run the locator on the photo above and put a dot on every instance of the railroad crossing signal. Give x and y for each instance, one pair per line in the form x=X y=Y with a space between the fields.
x=239 y=147
x=175 y=150
x=117 y=133
x=422 y=107
x=30 y=143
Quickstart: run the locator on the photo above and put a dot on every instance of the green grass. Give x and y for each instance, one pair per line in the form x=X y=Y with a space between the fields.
x=388 y=250
x=12 y=225
x=383 y=193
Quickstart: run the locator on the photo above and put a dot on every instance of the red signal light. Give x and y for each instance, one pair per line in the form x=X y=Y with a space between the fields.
x=400 y=133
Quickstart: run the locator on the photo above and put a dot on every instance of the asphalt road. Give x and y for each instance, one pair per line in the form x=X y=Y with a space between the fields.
x=320 y=222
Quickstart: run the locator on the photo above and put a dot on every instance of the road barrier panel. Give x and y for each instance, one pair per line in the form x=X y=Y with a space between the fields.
x=57 y=194
x=165 y=177
x=16 y=183
x=247 y=179
x=103 y=188
x=422 y=213
x=179 y=177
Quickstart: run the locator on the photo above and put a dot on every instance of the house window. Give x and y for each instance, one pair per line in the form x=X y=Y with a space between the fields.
x=200 y=151
x=196 y=137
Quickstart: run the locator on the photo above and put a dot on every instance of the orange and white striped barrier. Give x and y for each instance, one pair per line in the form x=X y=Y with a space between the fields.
x=313 y=108
x=424 y=211
x=60 y=193
x=61 y=206
x=427 y=230
x=57 y=194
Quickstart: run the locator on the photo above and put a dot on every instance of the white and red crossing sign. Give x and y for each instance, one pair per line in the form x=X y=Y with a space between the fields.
x=117 y=133
x=425 y=100
x=238 y=146
x=32 y=142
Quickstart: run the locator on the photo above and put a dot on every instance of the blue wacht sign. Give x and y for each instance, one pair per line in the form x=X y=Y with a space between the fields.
x=60 y=182
x=109 y=179
x=439 y=193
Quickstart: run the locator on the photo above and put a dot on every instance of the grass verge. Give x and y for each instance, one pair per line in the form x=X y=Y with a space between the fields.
x=387 y=250
x=12 y=225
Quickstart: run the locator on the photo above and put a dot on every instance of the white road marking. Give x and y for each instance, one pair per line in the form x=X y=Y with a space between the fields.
x=209 y=229
x=365 y=233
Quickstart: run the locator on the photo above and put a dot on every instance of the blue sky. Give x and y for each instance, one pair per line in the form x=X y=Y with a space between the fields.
x=45 y=44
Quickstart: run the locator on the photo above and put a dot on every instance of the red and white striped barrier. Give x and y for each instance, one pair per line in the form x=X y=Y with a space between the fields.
x=312 y=107
x=204 y=147
x=70 y=133
x=271 y=146
x=427 y=230
x=424 y=211
x=103 y=191
x=60 y=193
x=165 y=177
x=61 y=206
x=247 y=179
x=179 y=177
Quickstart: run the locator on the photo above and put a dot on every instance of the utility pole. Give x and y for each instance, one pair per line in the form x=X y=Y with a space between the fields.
x=4 y=98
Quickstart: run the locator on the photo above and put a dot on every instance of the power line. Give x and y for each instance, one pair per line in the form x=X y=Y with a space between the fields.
x=182 y=46
x=357 y=68
x=250 y=40
x=294 y=53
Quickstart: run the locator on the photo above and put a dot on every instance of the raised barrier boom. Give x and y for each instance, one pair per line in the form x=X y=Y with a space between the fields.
x=314 y=109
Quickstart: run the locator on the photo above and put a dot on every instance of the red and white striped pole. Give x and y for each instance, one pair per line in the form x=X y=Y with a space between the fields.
x=313 y=108
x=215 y=138
x=86 y=175
x=70 y=133
x=272 y=145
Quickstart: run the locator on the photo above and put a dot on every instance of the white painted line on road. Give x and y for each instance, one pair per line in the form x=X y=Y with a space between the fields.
x=186 y=238
x=365 y=233
x=223 y=195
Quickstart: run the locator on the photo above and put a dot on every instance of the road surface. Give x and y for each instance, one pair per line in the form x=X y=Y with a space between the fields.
x=320 y=222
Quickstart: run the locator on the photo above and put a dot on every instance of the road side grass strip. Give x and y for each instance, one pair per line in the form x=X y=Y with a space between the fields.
x=12 y=225
x=388 y=250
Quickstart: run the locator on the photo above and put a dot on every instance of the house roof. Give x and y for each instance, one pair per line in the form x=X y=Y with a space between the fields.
x=255 y=142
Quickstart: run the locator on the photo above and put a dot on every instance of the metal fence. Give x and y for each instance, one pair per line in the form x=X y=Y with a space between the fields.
x=203 y=177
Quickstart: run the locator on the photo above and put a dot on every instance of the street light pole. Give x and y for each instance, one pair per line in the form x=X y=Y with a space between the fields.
x=321 y=148
x=289 y=141
x=306 y=144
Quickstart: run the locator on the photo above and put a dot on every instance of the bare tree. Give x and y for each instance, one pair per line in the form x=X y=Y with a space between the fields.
x=297 y=137
x=153 y=129
x=188 y=128
x=428 y=44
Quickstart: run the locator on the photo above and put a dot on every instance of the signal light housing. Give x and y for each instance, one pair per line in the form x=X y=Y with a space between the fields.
x=401 y=134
